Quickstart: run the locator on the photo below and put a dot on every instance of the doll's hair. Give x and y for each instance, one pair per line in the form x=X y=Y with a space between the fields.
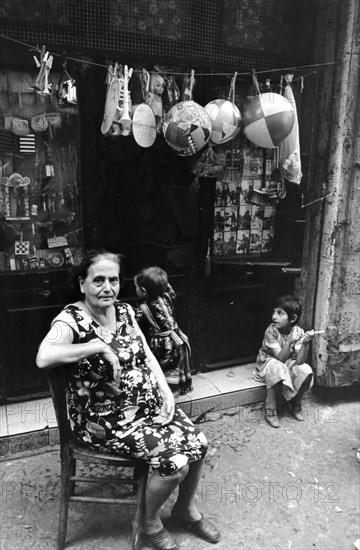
x=154 y=280
x=154 y=79
x=290 y=305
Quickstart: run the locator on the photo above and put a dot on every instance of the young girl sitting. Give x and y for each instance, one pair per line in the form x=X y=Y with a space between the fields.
x=281 y=359
x=156 y=318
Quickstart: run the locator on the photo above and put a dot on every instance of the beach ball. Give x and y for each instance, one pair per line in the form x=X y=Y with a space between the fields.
x=187 y=128
x=225 y=120
x=268 y=119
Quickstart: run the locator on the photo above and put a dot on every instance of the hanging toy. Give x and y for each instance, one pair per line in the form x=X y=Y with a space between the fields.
x=16 y=197
x=154 y=98
x=268 y=119
x=125 y=122
x=144 y=123
x=66 y=88
x=225 y=117
x=115 y=84
x=42 y=85
x=187 y=126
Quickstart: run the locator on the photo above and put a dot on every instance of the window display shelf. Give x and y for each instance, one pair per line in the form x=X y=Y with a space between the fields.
x=40 y=211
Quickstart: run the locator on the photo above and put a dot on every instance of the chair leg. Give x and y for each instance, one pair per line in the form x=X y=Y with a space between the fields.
x=66 y=467
x=72 y=473
x=141 y=473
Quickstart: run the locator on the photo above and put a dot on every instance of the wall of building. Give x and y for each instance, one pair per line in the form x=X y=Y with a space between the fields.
x=331 y=275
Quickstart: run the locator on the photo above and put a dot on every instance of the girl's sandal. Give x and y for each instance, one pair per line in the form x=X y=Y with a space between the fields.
x=296 y=411
x=271 y=417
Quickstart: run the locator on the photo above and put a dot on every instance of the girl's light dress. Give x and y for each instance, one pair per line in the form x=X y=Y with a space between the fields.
x=271 y=371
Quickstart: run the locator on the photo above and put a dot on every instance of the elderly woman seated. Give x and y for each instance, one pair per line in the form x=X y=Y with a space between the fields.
x=119 y=400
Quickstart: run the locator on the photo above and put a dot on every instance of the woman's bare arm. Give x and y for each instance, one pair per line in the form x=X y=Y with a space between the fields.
x=57 y=348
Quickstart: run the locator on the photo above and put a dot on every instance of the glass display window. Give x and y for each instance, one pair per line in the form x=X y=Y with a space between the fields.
x=40 y=209
x=245 y=204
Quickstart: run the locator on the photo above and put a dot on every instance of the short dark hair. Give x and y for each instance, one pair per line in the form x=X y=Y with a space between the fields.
x=290 y=305
x=154 y=280
x=90 y=257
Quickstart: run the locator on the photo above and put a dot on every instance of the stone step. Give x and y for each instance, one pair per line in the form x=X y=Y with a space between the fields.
x=31 y=425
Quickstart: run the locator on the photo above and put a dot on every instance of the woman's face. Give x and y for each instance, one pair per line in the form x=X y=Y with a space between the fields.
x=102 y=284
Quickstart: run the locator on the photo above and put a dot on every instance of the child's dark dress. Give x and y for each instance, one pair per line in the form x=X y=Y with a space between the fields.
x=167 y=342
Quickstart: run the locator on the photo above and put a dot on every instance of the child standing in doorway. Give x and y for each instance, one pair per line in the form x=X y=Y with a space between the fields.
x=156 y=317
x=281 y=360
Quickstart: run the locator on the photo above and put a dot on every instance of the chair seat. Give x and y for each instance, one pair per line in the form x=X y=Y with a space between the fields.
x=81 y=452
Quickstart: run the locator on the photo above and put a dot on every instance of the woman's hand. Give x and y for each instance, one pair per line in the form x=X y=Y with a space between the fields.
x=110 y=357
x=167 y=409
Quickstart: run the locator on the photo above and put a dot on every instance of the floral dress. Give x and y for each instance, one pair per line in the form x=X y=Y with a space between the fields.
x=119 y=419
x=168 y=343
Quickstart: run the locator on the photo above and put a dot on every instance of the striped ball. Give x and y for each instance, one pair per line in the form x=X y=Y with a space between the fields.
x=225 y=119
x=268 y=119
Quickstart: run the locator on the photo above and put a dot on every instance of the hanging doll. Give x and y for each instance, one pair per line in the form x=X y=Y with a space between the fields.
x=154 y=98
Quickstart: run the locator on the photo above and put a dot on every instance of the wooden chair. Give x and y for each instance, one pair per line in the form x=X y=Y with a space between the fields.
x=71 y=451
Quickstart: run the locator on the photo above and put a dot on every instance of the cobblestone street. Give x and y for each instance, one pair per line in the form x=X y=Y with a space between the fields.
x=295 y=488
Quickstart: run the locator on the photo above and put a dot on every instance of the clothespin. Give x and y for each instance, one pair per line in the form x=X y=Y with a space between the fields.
x=289 y=78
x=281 y=84
x=301 y=83
x=255 y=81
x=191 y=82
x=232 y=88
x=145 y=83
x=188 y=86
x=42 y=53
x=267 y=85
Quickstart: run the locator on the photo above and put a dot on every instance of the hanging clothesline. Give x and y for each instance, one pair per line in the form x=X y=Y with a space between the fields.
x=247 y=73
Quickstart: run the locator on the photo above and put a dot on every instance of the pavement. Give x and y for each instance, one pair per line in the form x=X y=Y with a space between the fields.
x=292 y=488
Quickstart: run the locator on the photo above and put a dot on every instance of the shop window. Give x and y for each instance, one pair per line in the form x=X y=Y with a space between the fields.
x=40 y=213
x=245 y=204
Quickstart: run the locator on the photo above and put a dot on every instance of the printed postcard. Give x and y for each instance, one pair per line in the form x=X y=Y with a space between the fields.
x=242 y=242
x=231 y=218
x=230 y=242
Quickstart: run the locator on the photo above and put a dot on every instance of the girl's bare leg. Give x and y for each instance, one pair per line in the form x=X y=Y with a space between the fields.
x=271 y=396
x=270 y=406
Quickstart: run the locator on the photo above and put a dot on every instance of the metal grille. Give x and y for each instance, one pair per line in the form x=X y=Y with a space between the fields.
x=238 y=33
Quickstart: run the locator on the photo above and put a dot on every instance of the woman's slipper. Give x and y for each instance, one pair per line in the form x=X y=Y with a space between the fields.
x=201 y=528
x=161 y=540
x=271 y=417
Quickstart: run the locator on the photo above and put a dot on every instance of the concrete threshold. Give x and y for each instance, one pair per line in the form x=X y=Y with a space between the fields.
x=31 y=425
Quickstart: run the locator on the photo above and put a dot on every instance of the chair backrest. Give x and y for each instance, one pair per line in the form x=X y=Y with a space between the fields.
x=57 y=386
